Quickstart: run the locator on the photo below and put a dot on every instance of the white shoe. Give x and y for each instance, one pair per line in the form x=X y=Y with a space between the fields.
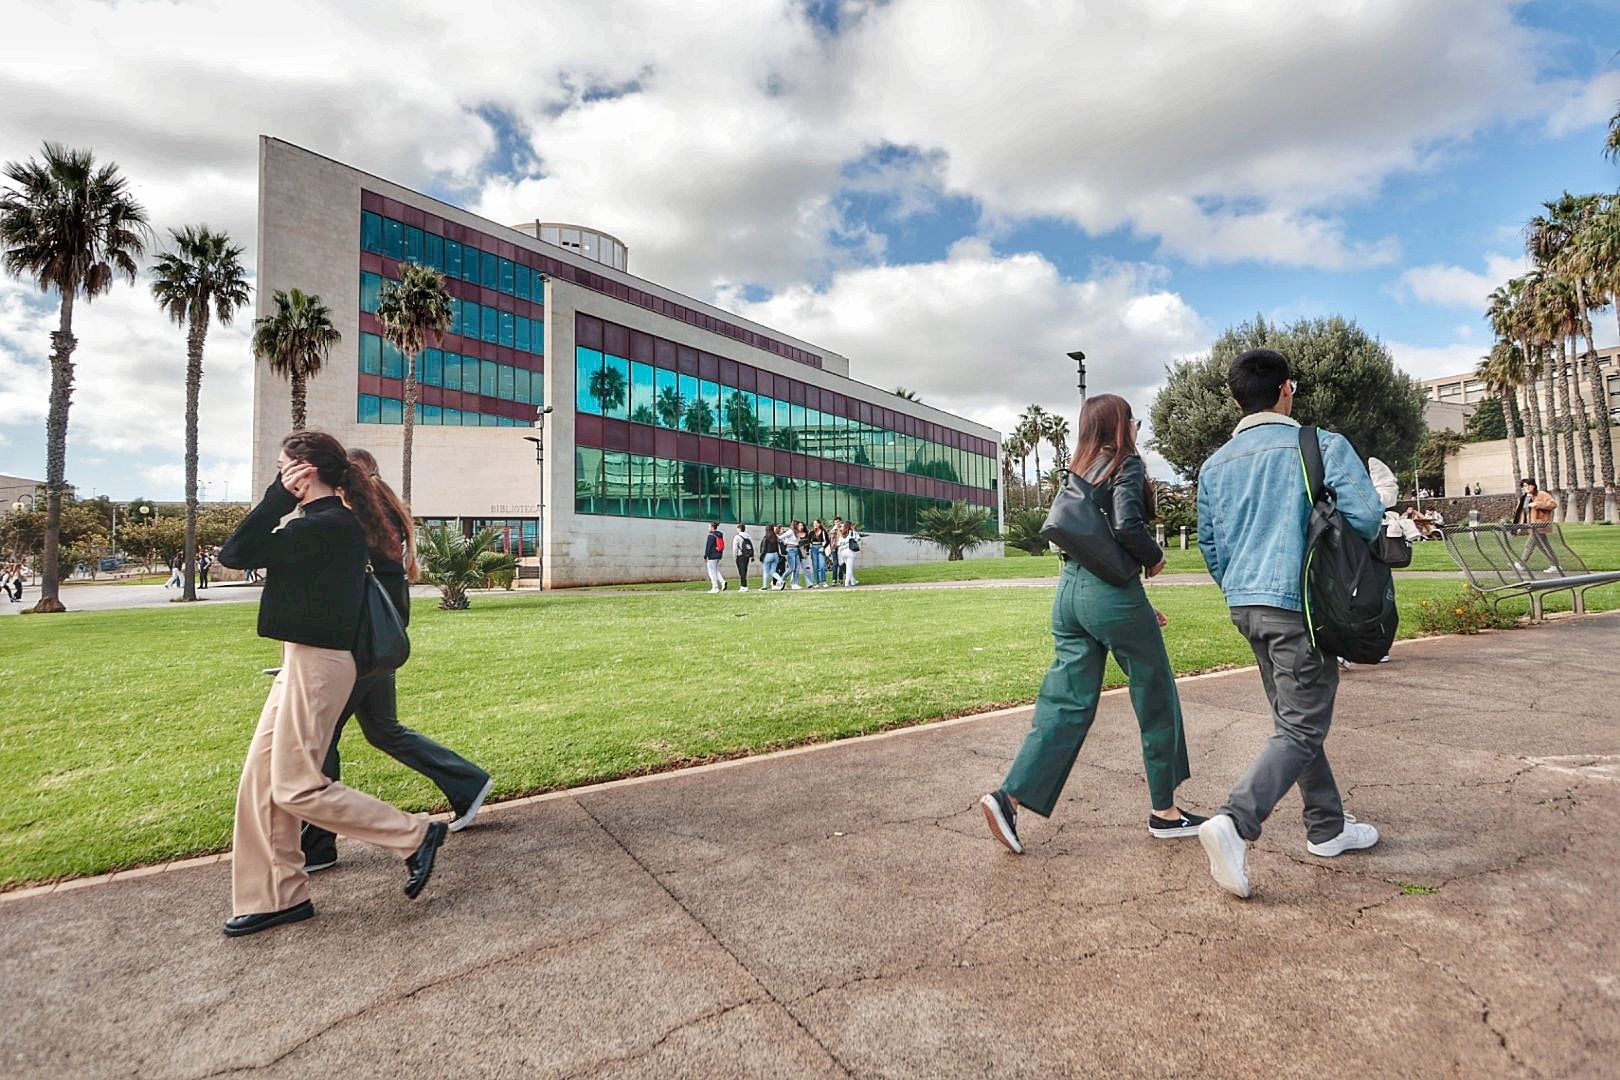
x=1355 y=837
x=1345 y=665
x=796 y=585
x=742 y=588
x=1228 y=854
x=712 y=589
x=466 y=819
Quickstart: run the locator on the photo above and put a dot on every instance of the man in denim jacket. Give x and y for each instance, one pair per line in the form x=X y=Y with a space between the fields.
x=1252 y=513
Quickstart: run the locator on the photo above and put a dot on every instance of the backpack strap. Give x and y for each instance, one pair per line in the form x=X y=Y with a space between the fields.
x=1310 y=459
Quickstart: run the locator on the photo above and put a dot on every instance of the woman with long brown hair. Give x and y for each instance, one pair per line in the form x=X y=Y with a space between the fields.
x=311 y=604
x=375 y=701
x=1090 y=619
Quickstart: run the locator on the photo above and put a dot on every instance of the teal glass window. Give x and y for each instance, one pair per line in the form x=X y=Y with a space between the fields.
x=588 y=381
x=508 y=329
x=643 y=406
x=371 y=354
x=452 y=370
x=470 y=366
x=490 y=277
x=433 y=252
x=503 y=387
x=491 y=328
x=392 y=411
x=523 y=282
x=393 y=238
x=370 y=411
x=668 y=407
x=615 y=395
x=393 y=364
x=452 y=258
x=539 y=283
x=452 y=417
x=487 y=377
x=370 y=231
x=467 y=325
x=413 y=244
x=508 y=275
x=432 y=367
x=432 y=414
x=520 y=327
x=370 y=291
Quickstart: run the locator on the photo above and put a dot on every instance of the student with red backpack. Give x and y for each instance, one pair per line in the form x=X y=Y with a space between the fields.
x=713 y=548
x=742 y=549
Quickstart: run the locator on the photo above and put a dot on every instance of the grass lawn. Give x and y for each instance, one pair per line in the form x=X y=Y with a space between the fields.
x=122 y=733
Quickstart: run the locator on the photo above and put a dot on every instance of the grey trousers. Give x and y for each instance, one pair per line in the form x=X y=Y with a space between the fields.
x=373 y=703
x=1301 y=682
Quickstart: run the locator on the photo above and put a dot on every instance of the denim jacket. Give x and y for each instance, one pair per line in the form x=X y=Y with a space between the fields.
x=1253 y=509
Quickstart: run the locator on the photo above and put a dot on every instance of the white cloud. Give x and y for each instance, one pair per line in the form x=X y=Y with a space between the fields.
x=1435 y=361
x=1456 y=286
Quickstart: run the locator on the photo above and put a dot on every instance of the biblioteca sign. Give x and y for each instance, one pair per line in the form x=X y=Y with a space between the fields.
x=513 y=508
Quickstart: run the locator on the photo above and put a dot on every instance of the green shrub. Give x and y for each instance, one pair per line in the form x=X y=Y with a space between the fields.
x=1467 y=612
x=1024 y=531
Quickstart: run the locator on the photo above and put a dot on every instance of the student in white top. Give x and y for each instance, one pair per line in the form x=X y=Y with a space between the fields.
x=742 y=548
x=849 y=548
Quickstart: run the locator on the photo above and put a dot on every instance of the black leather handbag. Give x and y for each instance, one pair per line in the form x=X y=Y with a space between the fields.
x=381 y=644
x=1080 y=528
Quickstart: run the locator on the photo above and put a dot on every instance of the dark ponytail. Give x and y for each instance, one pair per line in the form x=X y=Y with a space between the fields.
x=394 y=508
x=335 y=470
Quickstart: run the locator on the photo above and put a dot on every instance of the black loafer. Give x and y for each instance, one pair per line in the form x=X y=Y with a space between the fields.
x=242 y=925
x=420 y=864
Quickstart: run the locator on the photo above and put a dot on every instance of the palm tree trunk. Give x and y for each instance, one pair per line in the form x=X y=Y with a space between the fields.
x=1600 y=396
x=1040 y=481
x=1566 y=423
x=409 y=421
x=56 y=421
x=1584 y=421
x=1529 y=420
x=298 y=381
x=194 y=354
x=1549 y=433
x=1506 y=394
x=1023 y=479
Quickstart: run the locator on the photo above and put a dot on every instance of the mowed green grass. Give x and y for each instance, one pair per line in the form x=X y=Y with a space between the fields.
x=122 y=733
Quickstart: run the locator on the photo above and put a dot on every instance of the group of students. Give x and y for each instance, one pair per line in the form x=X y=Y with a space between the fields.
x=1252 y=515
x=791 y=556
x=11 y=583
x=290 y=804
x=177 y=569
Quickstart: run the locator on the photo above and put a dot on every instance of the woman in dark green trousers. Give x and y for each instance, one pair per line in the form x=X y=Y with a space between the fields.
x=1090 y=619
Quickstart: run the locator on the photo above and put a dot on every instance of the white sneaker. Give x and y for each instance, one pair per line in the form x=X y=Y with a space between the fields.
x=742 y=588
x=466 y=819
x=1228 y=854
x=796 y=585
x=712 y=589
x=1356 y=837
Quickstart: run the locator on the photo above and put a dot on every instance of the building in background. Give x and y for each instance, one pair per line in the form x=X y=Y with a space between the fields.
x=666 y=412
x=1452 y=399
x=19 y=491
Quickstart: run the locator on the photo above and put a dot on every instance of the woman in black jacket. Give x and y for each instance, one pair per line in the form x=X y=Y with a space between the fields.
x=311 y=604
x=374 y=700
x=1090 y=619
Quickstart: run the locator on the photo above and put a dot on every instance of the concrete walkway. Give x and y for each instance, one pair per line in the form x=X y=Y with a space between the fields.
x=842 y=911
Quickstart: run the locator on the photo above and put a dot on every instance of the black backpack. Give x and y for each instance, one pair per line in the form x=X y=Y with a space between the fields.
x=1348 y=591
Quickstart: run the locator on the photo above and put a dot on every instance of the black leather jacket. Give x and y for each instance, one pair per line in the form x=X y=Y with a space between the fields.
x=1124 y=500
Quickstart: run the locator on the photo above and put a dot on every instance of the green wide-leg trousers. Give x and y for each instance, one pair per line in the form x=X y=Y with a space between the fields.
x=1090 y=619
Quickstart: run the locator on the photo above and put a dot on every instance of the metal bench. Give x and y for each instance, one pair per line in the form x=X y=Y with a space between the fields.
x=1503 y=561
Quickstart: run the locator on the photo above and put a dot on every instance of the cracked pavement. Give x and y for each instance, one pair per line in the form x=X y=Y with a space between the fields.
x=842 y=911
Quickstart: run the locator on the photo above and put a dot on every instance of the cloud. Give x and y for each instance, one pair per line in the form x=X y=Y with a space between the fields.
x=1456 y=286
x=988 y=334
x=1435 y=361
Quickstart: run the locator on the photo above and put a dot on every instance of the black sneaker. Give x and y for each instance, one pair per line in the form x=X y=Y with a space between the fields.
x=1165 y=829
x=320 y=849
x=419 y=867
x=1003 y=818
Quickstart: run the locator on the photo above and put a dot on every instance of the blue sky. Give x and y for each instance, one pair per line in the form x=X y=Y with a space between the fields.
x=950 y=193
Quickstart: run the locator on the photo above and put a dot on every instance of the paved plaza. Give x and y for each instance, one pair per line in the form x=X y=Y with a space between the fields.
x=842 y=911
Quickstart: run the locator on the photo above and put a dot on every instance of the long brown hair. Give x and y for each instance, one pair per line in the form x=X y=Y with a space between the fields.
x=337 y=469
x=386 y=497
x=1108 y=432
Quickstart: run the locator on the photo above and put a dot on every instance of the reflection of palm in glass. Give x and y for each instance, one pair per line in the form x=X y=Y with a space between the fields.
x=740 y=415
x=643 y=415
x=785 y=439
x=607 y=387
x=699 y=417
x=670 y=407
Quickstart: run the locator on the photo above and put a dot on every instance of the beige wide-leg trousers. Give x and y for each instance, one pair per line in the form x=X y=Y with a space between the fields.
x=282 y=785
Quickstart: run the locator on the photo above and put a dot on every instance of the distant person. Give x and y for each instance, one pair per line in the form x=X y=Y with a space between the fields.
x=177 y=573
x=770 y=554
x=818 y=555
x=849 y=550
x=312 y=605
x=801 y=541
x=835 y=567
x=1252 y=514
x=1535 y=508
x=17 y=575
x=204 y=565
x=5 y=584
x=792 y=553
x=1092 y=618
x=742 y=549
x=375 y=701
x=714 y=546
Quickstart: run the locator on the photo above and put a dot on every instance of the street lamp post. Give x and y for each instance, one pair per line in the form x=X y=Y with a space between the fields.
x=1079 y=359
x=539 y=440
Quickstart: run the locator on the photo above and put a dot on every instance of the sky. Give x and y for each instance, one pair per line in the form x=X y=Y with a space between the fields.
x=951 y=193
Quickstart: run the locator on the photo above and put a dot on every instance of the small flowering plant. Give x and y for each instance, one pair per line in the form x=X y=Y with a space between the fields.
x=1467 y=612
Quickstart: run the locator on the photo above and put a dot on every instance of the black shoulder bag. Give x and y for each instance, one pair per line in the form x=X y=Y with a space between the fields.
x=1080 y=528
x=381 y=643
x=1348 y=591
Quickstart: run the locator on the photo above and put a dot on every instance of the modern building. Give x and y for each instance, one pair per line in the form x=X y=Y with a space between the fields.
x=1456 y=395
x=665 y=412
x=18 y=492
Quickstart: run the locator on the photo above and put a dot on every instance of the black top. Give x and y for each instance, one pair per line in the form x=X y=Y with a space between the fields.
x=317 y=566
x=390 y=571
x=1124 y=500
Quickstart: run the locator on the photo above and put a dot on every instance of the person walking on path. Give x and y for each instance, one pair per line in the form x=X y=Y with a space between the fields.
x=204 y=564
x=770 y=554
x=1252 y=514
x=1090 y=619
x=818 y=555
x=176 y=573
x=742 y=549
x=16 y=584
x=793 y=554
x=714 y=546
x=311 y=604
x=374 y=700
x=849 y=547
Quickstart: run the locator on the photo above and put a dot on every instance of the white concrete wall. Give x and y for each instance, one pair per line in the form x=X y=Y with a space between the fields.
x=1491 y=464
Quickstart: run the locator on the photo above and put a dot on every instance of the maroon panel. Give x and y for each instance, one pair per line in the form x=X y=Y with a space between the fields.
x=869 y=477
x=798 y=393
x=664 y=354
x=643 y=439
x=748 y=457
x=588 y=331
x=370 y=384
x=370 y=200
x=842 y=473
x=414 y=216
x=686 y=360
x=731 y=455
x=505 y=249
x=747 y=378
x=588 y=430
x=432 y=223
x=863 y=412
x=708 y=367
x=371 y=261
x=615 y=339
x=821 y=469
x=686 y=446
x=391 y=388
x=393 y=208
x=488 y=297
x=663 y=442
x=641 y=347
x=728 y=371
x=766 y=383
x=709 y=451
x=615 y=434
x=430 y=395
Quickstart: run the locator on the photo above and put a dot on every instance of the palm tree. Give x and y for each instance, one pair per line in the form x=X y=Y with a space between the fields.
x=1016 y=447
x=456 y=563
x=957 y=528
x=295 y=342
x=1611 y=150
x=1055 y=430
x=1551 y=240
x=201 y=278
x=73 y=227
x=1513 y=315
x=1594 y=258
x=908 y=395
x=413 y=311
x=1033 y=424
x=1502 y=372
